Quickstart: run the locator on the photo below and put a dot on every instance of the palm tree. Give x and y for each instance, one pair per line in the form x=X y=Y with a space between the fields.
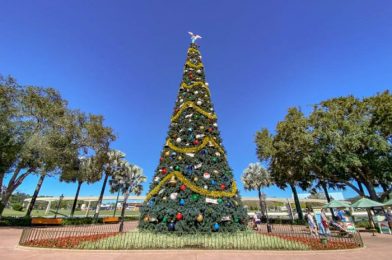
x=255 y=177
x=112 y=165
x=128 y=179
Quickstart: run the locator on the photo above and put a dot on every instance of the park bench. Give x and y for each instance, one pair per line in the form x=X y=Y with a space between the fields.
x=110 y=220
x=46 y=221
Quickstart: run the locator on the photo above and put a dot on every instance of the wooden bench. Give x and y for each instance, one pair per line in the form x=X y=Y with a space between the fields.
x=46 y=221
x=111 y=220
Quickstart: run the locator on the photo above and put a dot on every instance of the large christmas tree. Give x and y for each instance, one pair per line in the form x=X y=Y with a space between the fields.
x=193 y=189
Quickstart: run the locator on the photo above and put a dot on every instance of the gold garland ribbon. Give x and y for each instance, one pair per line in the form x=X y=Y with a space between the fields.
x=194 y=106
x=206 y=140
x=194 y=66
x=198 y=83
x=193 y=50
x=193 y=187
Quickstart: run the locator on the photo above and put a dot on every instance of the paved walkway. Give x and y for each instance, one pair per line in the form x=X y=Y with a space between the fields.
x=378 y=247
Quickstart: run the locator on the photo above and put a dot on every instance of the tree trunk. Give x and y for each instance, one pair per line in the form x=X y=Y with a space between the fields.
x=386 y=190
x=123 y=211
x=4 y=201
x=360 y=187
x=101 y=197
x=115 y=205
x=262 y=207
x=35 y=195
x=297 y=203
x=76 y=199
x=325 y=188
x=371 y=190
x=13 y=183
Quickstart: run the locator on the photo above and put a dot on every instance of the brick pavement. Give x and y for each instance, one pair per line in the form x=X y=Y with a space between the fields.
x=378 y=247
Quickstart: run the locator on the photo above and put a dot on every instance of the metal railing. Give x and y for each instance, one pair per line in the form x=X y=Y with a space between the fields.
x=284 y=237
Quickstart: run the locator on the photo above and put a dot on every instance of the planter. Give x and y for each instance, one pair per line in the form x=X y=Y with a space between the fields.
x=46 y=221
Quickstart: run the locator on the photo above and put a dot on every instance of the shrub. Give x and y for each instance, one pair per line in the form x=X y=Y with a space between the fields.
x=17 y=207
x=13 y=221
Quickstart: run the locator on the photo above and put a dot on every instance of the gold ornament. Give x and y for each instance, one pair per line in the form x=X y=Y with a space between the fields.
x=199 y=218
x=167 y=153
x=173 y=181
x=179 y=158
x=195 y=179
x=146 y=218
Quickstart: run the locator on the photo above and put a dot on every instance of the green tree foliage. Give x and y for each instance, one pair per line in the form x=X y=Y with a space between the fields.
x=193 y=188
x=345 y=141
x=255 y=177
x=41 y=135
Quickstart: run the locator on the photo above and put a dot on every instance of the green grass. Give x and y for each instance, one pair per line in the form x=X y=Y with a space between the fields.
x=65 y=213
x=247 y=240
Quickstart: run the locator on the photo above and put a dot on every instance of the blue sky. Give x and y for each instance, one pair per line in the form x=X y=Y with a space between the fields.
x=124 y=59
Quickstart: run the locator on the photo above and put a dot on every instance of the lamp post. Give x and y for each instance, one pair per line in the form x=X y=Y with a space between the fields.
x=58 y=205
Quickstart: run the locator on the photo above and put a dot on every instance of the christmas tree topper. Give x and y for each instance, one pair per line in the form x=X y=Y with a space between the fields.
x=194 y=37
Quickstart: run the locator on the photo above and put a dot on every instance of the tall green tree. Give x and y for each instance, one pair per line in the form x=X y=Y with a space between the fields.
x=351 y=149
x=288 y=153
x=255 y=177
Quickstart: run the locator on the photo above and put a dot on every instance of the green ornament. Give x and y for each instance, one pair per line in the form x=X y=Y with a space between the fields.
x=177 y=168
x=236 y=220
x=196 y=116
x=164 y=220
x=220 y=200
x=214 y=159
x=195 y=197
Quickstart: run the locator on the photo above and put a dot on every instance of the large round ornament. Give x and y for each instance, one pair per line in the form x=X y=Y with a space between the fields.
x=196 y=142
x=216 y=227
x=199 y=218
x=146 y=219
x=164 y=220
x=195 y=197
x=179 y=216
x=183 y=187
x=171 y=226
x=178 y=140
x=177 y=168
x=167 y=153
x=222 y=186
x=173 y=196
x=182 y=202
x=164 y=170
x=156 y=179
x=206 y=175
x=220 y=200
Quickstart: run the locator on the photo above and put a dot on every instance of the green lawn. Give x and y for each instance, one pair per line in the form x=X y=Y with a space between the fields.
x=248 y=240
x=65 y=213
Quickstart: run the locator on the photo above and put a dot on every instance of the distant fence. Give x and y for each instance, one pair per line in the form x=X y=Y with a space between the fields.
x=284 y=237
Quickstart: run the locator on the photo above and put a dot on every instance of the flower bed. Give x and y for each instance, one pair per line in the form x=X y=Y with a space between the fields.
x=315 y=243
x=67 y=242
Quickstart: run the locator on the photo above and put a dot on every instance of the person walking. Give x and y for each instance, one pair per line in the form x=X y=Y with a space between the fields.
x=388 y=217
x=312 y=225
x=324 y=222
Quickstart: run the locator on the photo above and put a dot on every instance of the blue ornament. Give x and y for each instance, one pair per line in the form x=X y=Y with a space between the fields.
x=171 y=226
x=151 y=202
x=213 y=182
x=182 y=202
x=203 y=152
x=189 y=169
x=190 y=129
x=216 y=227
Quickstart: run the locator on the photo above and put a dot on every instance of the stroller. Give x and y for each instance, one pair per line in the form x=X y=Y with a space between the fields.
x=341 y=228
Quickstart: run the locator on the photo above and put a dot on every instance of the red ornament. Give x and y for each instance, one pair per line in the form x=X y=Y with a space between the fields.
x=179 y=216
x=222 y=186
x=196 y=142
x=183 y=187
x=164 y=170
x=210 y=129
x=161 y=159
